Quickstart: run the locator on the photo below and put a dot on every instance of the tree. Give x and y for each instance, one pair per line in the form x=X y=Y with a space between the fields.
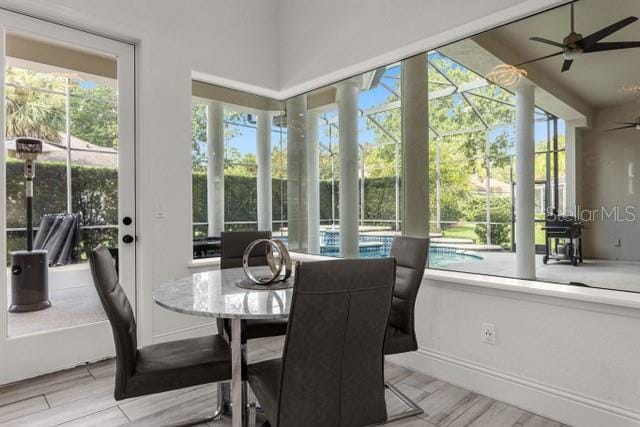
x=199 y=133
x=33 y=113
x=42 y=114
x=458 y=132
x=94 y=115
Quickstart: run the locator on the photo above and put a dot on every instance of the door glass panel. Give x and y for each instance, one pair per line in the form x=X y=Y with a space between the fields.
x=73 y=112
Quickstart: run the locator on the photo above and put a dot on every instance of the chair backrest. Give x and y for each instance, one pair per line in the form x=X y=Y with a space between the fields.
x=410 y=254
x=120 y=314
x=333 y=359
x=233 y=244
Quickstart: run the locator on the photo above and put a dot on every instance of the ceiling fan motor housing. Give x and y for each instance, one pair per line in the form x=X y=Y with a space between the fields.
x=573 y=46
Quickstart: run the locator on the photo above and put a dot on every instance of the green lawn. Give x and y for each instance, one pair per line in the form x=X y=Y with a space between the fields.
x=463 y=231
x=467 y=231
x=539 y=234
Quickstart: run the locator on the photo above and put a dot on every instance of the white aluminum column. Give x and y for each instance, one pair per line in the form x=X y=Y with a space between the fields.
x=571 y=171
x=347 y=98
x=415 y=146
x=525 y=182
x=313 y=182
x=297 y=208
x=215 y=168
x=263 y=158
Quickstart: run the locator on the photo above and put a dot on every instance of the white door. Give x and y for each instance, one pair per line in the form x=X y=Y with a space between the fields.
x=75 y=91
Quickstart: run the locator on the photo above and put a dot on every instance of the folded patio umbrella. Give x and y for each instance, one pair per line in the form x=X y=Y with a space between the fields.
x=59 y=234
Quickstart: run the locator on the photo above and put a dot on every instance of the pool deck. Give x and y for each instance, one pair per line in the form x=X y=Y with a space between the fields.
x=612 y=274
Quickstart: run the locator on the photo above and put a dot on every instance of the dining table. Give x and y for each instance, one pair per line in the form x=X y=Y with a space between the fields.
x=219 y=294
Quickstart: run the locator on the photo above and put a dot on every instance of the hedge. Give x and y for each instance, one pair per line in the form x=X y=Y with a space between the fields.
x=94 y=194
x=241 y=200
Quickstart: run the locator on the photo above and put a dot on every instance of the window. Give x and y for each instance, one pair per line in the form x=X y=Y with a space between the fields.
x=78 y=171
x=527 y=179
x=226 y=189
x=374 y=156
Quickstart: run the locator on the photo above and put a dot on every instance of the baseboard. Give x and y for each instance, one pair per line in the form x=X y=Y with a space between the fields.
x=188 y=332
x=544 y=399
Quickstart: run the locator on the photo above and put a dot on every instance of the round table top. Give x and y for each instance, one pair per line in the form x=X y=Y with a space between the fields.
x=215 y=294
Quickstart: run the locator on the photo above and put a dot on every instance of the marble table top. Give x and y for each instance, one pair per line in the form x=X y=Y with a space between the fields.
x=215 y=294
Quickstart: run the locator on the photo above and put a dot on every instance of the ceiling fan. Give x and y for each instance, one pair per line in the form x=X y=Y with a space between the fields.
x=575 y=45
x=627 y=125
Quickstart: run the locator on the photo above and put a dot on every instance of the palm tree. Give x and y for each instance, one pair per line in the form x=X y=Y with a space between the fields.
x=34 y=114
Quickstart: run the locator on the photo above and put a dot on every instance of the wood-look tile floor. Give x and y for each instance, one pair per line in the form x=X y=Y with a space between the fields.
x=83 y=396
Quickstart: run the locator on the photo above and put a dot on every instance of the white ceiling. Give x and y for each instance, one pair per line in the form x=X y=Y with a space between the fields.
x=596 y=78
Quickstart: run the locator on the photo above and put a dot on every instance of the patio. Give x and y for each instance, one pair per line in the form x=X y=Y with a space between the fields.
x=619 y=275
x=74 y=302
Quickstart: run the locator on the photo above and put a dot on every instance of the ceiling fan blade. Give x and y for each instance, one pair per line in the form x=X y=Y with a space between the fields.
x=566 y=65
x=607 y=31
x=620 y=128
x=626 y=123
x=547 y=41
x=602 y=47
x=539 y=59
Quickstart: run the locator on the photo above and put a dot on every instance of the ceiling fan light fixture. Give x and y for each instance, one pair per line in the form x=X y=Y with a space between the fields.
x=506 y=75
x=572 y=53
x=633 y=88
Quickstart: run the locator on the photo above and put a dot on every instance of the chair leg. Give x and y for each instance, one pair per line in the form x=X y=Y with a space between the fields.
x=414 y=408
x=210 y=418
x=251 y=408
x=225 y=395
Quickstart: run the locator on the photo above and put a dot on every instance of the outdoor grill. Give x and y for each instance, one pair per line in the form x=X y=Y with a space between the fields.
x=563 y=239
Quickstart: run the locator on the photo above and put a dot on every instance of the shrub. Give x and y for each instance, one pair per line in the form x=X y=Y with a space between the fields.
x=500 y=212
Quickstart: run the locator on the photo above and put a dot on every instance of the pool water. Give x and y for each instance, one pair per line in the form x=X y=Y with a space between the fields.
x=374 y=246
x=439 y=259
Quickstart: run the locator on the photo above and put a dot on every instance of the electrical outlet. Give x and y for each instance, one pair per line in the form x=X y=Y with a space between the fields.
x=488 y=333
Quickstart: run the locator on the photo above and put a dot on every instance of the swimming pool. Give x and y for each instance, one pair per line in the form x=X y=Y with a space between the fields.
x=373 y=246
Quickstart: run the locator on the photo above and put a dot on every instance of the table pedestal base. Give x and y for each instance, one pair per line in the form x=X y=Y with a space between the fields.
x=238 y=389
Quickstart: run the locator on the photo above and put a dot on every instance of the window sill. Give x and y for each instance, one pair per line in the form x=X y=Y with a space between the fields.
x=546 y=289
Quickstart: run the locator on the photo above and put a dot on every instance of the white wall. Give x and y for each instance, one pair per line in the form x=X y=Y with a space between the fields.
x=611 y=178
x=324 y=41
x=576 y=362
x=224 y=39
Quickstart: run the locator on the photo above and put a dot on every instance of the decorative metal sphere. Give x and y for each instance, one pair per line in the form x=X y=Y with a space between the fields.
x=283 y=262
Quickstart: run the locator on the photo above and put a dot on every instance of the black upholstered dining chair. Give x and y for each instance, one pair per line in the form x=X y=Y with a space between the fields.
x=159 y=367
x=411 y=255
x=233 y=245
x=331 y=372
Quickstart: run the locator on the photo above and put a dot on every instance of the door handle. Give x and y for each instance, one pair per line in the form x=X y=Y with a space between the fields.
x=128 y=238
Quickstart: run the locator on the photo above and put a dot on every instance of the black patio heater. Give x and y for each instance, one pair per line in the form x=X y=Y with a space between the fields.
x=29 y=274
